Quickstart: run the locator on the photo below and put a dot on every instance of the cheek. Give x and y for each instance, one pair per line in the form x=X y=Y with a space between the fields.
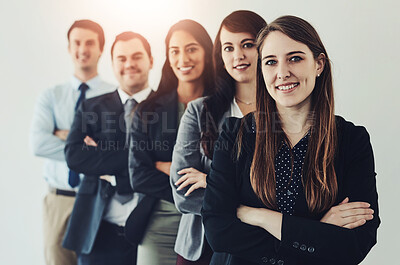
x=252 y=55
x=226 y=59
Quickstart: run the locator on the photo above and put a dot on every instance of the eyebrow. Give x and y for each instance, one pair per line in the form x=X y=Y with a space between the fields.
x=243 y=41
x=190 y=44
x=134 y=54
x=288 y=54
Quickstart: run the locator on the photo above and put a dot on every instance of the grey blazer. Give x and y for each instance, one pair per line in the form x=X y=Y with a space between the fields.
x=188 y=153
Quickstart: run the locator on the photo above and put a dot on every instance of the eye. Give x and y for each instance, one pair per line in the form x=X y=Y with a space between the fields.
x=137 y=57
x=191 y=50
x=90 y=43
x=248 y=45
x=173 y=52
x=295 y=59
x=228 y=49
x=271 y=62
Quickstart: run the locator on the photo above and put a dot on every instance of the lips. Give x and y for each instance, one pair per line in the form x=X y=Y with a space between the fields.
x=241 y=67
x=288 y=87
x=185 y=68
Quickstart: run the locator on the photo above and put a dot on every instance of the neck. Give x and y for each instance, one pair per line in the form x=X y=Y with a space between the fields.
x=246 y=92
x=188 y=91
x=295 y=121
x=85 y=75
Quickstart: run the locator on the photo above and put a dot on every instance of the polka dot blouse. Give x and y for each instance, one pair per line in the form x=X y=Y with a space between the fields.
x=288 y=169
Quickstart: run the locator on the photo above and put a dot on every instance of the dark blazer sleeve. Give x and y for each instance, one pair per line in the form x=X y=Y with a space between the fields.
x=224 y=231
x=91 y=160
x=144 y=176
x=333 y=243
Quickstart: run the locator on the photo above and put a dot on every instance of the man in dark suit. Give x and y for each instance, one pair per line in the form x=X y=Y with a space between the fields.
x=98 y=147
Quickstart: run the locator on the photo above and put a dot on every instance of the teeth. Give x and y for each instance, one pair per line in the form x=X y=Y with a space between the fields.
x=287 y=87
x=241 y=67
x=184 y=69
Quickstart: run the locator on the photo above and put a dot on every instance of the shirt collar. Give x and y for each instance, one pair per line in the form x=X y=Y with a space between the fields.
x=139 y=96
x=94 y=82
x=236 y=112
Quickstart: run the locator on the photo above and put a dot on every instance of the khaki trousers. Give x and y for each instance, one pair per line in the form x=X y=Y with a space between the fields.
x=56 y=212
x=158 y=243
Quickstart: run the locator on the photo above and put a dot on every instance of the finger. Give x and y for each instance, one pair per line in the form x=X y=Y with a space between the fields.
x=181 y=179
x=186 y=183
x=353 y=205
x=358 y=211
x=355 y=224
x=191 y=189
x=186 y=170
x=355 y=219
x=346 y=200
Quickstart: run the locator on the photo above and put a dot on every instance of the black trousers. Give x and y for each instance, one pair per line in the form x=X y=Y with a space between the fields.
x=110 y=248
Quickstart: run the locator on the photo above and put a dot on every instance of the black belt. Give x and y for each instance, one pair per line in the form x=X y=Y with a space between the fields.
x=69 y=193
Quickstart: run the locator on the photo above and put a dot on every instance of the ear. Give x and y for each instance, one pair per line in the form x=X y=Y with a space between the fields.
x=320 y=63
x=151 y=62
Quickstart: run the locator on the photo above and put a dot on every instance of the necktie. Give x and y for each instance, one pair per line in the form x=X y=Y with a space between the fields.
x=83 y=87
x=73 y=177
x=128 y=115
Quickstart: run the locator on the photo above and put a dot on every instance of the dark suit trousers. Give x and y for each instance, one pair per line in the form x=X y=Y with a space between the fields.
x=110 y=248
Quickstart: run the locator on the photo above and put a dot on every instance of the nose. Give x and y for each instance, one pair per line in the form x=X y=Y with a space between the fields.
x=283 y=71
x=83 y=48
x=238 y=54
x=183 y=58
x=130 y=63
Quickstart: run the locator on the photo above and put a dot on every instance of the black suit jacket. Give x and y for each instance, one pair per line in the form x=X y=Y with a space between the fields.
x=153 y=137
x=305 y=240
x=101 y=118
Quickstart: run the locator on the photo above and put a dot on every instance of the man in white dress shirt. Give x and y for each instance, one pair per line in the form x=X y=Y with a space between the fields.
x=53 y=116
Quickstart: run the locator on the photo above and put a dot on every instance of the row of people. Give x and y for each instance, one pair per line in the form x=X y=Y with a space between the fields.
x=262 y=181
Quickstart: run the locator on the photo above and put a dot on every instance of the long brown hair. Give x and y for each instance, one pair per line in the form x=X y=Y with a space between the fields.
x=319 y=178
x=225 y=86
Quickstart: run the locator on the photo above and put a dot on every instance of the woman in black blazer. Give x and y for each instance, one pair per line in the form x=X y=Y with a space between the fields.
x=187 y=74
x=292 y=183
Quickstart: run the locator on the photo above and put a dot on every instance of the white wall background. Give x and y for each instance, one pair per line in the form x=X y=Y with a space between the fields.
x=361 y=36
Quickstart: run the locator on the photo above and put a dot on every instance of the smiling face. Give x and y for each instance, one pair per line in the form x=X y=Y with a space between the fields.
x=186 y=56
x=289 y=70
x=84 y=49
x=131 y=65
x=239 y=55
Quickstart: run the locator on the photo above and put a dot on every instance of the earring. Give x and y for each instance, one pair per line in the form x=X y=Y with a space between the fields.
x=318 y=75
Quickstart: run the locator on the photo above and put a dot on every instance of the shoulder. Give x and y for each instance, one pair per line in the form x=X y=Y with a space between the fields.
x=105 y=85
x=348 y=132
x=156 y=100
x=195 y=106
x=100 y=99
x=53 y=93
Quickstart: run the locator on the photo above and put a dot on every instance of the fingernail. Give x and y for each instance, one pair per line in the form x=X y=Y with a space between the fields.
x=179 y=188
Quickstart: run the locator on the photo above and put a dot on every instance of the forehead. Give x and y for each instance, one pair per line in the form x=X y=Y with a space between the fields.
x=277 y=43
x=128 y=47
x=228 y=36
x=181 y=38
x=82 y=34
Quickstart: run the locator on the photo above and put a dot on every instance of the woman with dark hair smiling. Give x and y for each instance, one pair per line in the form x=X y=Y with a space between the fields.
x=292 y=183
x=235 y=60
x=187 y=74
